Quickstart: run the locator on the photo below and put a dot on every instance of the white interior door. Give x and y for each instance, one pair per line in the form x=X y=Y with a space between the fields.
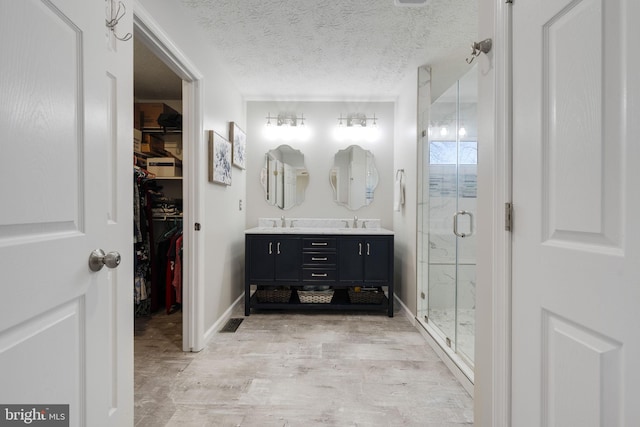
x=65 y=168
x=576 y=240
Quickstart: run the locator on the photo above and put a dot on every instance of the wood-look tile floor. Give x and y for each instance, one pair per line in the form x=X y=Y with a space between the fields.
x=296 y=369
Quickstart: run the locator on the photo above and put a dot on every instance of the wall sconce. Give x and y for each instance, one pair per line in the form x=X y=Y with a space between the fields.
x=286 y=126
x=355 y=126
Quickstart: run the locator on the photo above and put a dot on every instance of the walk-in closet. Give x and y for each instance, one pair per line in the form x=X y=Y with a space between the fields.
x=158 y=195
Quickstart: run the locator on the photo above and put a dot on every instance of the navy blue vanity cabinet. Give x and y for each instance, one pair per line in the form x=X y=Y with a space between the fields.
x=365 y=260
x=274 y=258
x=284 y=264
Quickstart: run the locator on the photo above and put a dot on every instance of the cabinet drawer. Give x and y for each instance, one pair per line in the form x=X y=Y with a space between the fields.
x=318 y=275
x=319 y=258
x=319 y=243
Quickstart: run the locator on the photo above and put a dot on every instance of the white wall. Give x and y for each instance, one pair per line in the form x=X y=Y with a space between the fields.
x=404 y=222
x=319 y=150
x=223 y=223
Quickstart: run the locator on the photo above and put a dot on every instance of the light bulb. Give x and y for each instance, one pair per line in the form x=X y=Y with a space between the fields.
x=443 y=131
x=462 y=131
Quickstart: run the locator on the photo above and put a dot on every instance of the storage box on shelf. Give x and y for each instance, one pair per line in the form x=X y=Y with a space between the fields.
x=145 y=114
x=164 y=166
x=137 y=140
x=149 y=144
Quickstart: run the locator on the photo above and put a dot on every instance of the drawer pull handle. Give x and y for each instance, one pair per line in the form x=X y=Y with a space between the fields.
x=318 y=275
x=318 y=259
x=319 y=243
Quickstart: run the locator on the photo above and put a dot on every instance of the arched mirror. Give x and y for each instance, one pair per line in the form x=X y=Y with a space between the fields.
x=354 y=177
x=284 y=177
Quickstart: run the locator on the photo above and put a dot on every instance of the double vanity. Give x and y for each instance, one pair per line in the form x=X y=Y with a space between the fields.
x=311 y=264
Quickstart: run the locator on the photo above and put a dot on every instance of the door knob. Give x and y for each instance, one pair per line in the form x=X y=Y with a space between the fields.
x=99 y=259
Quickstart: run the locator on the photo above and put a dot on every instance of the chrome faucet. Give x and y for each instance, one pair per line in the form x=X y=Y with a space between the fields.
x=346 y=223
x=275 y=224
x=284 y=223
x=355 y=221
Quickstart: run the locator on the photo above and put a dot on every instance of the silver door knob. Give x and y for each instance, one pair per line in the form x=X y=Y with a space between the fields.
x=99 y=259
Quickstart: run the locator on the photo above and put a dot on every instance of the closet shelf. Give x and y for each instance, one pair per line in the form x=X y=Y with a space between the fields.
x=161 y=131
x=166 y=217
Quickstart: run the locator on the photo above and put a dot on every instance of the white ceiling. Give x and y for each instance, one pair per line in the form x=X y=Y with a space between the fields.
x=341 y=49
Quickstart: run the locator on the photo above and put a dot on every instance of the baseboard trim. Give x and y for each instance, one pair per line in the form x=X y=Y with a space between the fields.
x=208 y=335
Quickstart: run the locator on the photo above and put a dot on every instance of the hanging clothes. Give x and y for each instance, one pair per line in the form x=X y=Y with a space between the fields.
x=142 y=247
x=157 y=227
x=173 y=274
x=177 y=271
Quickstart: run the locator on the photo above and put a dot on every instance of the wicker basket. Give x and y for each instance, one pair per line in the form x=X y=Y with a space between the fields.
x=273 y=295
x=315 y=297
x=366 y=297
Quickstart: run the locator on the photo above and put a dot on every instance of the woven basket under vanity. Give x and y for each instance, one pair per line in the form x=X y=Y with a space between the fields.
x=273 y=295
x=315 y=297
x=366 y=296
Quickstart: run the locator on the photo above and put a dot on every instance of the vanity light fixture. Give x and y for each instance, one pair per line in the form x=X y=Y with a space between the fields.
x=287 y=126
x=286 y=119
x=357 y=120
x=357 y=127
x=444 y=129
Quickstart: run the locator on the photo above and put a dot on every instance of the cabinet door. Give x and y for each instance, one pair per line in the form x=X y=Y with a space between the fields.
x=288 y=258
x=350 y=252
x=376 y=259
x=261 y=259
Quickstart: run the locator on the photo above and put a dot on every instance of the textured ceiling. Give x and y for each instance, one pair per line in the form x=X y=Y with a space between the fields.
x=330 y=48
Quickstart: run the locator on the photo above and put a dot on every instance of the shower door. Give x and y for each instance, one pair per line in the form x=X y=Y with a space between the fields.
x=449 y=174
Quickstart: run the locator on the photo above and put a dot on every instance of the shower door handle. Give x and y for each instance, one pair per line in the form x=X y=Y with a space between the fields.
x=455 y=224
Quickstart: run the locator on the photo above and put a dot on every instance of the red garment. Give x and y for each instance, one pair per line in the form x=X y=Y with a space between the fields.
x=177 y=271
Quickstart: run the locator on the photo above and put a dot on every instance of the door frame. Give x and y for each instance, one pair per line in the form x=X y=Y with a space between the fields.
x=194 y=151
x=492 y=388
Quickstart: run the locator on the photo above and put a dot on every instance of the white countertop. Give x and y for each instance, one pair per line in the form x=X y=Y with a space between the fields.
x=318 y=230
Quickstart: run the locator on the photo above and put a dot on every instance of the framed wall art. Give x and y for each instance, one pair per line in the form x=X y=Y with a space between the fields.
x=239 y=140
x=219 y=159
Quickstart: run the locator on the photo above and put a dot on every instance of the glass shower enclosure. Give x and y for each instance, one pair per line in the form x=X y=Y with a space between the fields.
x=447 y=264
